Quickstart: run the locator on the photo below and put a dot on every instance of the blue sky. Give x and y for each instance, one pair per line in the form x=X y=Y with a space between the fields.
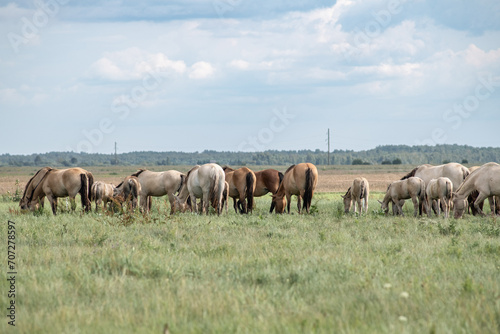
x=232 y=75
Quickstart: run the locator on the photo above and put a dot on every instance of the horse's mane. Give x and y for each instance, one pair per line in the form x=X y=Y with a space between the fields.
x=410 y=174
x=189 y=173
x=31 y=180
x=43 y=178
x=289 y=168
x=348 y=191
x=227 y=168
x=139 y=172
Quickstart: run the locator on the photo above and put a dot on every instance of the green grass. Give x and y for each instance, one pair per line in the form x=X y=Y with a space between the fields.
x=319 y=273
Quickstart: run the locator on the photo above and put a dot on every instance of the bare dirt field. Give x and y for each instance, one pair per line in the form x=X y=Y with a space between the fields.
x=331 y=178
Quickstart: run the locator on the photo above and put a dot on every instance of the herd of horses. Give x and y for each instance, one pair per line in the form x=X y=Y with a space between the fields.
x=211 y=184
x=431 y=188
x=436 y=188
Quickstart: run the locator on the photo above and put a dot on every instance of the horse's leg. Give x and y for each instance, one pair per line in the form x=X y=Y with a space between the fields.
x=288 y=202
x=491 y=200
x=439 y=206
x=235 y=205
x=478 y=203
x=194 y=208
x=415 y=206
x=171 y=199
x=53 y=203
x=72 y=200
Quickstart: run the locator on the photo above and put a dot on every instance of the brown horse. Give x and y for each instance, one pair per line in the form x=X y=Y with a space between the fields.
x=101 y=192
x=241 y=186
x=30 y=186
x=159 y=184
x=267 y=181
x=299 y=180
x=55 y=183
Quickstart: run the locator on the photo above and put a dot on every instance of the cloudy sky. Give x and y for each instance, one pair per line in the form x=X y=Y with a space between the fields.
x=241 y=75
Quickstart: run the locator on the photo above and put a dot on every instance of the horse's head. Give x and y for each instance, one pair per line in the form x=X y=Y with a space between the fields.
x=347 y=200
x=279 y=202
x=384 y=206
x=179 y=205
x=459 y=206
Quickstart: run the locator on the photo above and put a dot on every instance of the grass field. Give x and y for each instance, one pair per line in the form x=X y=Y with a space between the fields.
x=320 y=273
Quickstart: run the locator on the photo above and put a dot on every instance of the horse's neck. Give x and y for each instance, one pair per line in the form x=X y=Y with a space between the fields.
x=467 y=186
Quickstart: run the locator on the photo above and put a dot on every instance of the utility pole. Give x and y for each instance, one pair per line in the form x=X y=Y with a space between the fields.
x=328 y=146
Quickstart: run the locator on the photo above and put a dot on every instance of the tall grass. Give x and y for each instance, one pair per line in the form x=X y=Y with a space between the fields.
x=320 y=273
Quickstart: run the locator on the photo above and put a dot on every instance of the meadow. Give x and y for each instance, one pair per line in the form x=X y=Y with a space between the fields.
x=325 y=272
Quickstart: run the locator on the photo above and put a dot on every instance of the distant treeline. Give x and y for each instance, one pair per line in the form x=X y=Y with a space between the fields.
x=391 y=154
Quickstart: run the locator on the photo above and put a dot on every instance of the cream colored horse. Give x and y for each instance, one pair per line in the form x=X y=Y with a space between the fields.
x=439 y=189
x=299 y=180
x=358 y=192
x=101 y=193
x=128 y=191
x=205 y=182
x=486 y=180
x=55 y=183
x=454 y=171
x=159 y=184
x=413 y=187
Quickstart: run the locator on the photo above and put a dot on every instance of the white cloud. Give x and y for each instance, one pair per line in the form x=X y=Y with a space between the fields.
x=201 y=70
x=133 y=64
x=239 y=64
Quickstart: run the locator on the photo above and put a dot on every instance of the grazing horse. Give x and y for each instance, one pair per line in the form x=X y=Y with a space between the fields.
x=413 y=187
x=299 y=180
x=242 y=182
x=30 y=186
x=159 y=184
x=128 y=191
x=267 y=181
x=454 y=171
x=439 y=189
x=55 y=183
x=486 y=180
x=205 y=182
x=360 y=190
x=101 y=192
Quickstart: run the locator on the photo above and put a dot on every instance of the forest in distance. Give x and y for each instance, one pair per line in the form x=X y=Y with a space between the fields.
x=381 y=155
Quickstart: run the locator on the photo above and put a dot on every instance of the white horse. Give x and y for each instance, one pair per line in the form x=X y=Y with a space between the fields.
x=413 y=187
x=486 y=180
x=439 y=189
x=159 y=184
x=206 y=182
x=360 y=190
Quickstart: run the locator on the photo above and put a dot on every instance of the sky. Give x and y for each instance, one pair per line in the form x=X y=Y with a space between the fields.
x=241 y=75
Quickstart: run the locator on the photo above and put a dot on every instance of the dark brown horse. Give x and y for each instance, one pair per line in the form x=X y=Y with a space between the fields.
x=299 y=180
x=242 y=183
x=55 y=183
x=30 y=186
x=267 y=181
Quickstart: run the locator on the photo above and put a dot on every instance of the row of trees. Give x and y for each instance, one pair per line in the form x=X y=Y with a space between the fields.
x=393 y=154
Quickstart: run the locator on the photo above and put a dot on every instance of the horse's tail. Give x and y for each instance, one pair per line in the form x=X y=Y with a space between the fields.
x=308 y=194
x=93 y=192
x=281 y=176
x=183 y=178
x=250 y=183
x=91 y=181
x=362 y=190
x=134 y=191
x=465 y=173
x=449 y=190
x=214 y=196
x=410 y=174
x=84 y=191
